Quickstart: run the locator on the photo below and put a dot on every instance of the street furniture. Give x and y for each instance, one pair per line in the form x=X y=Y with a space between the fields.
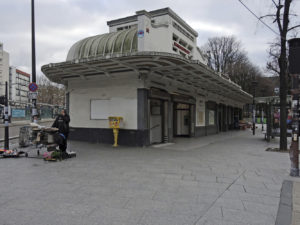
x=115 y=122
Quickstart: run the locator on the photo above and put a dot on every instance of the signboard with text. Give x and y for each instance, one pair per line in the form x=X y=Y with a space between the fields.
x=18 y=113
x=32 y=95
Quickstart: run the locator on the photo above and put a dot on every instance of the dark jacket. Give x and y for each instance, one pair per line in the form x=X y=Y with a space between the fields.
x=62 y=123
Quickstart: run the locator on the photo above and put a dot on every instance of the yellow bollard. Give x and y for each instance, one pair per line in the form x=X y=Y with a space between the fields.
x=116 y=134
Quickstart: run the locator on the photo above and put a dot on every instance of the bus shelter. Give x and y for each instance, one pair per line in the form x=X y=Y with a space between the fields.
x=270 y=107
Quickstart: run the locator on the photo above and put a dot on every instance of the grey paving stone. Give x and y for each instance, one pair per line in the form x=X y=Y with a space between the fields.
x=213 y=213
x=230 y=203
x=104 y=201
x=260 y=208
x=189 y=177
x=194 y=209
x=180 y=197
x=273 y=187
x=206 y=178
x=204 y=183
x=270 y=200
x=264 y=192
x=251 y=184
x=135 y=193
x=28 y=217
x=237 y=188
x=225 y=180
x=242 y=196
x=247 y=217
x=154 y=218
x=113 y=216
x=148 y=204
x=209 y=221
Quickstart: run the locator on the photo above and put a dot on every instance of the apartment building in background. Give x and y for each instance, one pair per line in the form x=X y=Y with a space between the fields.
x=4 y=69
x=18 y=85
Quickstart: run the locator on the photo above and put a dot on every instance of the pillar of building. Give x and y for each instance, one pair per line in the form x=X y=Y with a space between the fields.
x=165 y=121
x=170 y=120
x=143 y=115
x=193 y=120
x=218 y=119
x=226 y=118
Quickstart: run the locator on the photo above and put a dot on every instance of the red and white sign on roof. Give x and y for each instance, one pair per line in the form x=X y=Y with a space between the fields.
x=181 y=48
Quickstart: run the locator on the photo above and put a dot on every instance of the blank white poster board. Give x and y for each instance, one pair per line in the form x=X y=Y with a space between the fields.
x=103 y=108
x=100 y=109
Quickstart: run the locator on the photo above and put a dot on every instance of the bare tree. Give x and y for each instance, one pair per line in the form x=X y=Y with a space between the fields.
x=266 y=85
x=243 y=72
x=273 y=56
x=49 y=92
x=222 y=52
x=225 y=55
x=282 y=19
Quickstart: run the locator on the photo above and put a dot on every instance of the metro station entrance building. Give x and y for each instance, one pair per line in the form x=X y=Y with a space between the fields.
x=149 y=70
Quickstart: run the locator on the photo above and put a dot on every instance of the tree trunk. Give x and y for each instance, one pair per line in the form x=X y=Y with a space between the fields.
x=283 y=71
x=283 y=93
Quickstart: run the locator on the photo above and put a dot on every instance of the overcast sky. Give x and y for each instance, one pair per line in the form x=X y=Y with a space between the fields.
x=60 y=23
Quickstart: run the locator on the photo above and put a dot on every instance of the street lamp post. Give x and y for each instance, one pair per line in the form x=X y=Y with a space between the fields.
x=254 y=83
x=262 y=112
x=262 y=119
x=6 y=119
x=34 y=109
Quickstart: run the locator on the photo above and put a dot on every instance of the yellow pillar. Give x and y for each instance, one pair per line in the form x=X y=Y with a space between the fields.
x=114 y=123
x=116 y=133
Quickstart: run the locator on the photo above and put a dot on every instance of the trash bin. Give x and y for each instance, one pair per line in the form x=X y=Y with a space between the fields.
x=25 y=136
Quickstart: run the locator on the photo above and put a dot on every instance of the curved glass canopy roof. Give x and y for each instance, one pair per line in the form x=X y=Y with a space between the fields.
x=116 y=42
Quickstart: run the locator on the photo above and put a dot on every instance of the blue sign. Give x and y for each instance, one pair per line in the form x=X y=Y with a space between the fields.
x=140 y=33
x=33 y=87
x=18 y=113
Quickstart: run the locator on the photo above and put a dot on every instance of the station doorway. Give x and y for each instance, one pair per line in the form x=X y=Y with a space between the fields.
x=182 y=119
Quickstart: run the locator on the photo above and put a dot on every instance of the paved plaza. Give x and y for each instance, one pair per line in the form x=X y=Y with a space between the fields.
x=224 y=179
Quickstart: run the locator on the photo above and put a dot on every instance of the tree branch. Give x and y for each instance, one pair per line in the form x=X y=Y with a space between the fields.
x=279 y=7
x=272 y=68
x=275 y=3
x=293 y=27
x=269 y=15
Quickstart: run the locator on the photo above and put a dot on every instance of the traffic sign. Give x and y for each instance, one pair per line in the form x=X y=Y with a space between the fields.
x=32 y=95
x=33 y=87
x=140 y=33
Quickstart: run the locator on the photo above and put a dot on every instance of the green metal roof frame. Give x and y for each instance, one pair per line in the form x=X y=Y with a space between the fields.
x=124 y=41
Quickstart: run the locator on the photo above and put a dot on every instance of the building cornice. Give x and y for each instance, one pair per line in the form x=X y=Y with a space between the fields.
x=153 y=14
x=164 y=11
x=127 y=19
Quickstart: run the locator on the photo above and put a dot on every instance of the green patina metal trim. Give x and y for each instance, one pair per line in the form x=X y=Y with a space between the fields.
x=105 y=44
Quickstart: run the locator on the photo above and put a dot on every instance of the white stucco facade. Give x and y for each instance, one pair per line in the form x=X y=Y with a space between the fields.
x=4 y=69
x=163 y=31
x=121 y=92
